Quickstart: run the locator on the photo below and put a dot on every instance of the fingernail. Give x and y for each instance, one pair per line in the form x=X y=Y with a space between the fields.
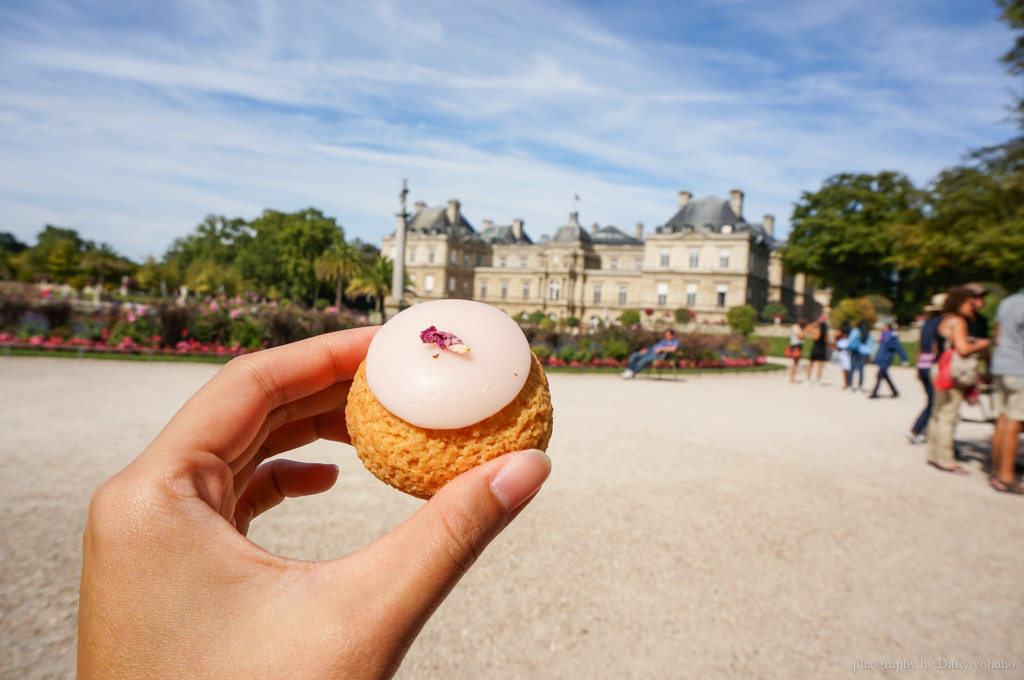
x=520 y=478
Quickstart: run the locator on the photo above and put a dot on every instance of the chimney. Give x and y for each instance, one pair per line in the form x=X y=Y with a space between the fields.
x=736 y=203
x=419 y=205
x=769 y=224
x=517 y=229
x=453 y=211
x=639 y=231
x=684 y=198
x=594 y=228
x=487 y=224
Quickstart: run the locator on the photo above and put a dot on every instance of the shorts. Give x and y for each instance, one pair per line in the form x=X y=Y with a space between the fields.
x=1009 y=396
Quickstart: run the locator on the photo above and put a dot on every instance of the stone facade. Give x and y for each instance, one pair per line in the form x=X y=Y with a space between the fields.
x=705 y=258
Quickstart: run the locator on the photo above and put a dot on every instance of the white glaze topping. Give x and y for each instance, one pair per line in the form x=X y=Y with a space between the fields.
x=441 y=389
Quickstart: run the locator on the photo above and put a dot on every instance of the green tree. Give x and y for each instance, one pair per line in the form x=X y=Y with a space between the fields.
x=215 y=239
x=337 y=263
x=284 y=249
x=742 y=319
x=845 y=233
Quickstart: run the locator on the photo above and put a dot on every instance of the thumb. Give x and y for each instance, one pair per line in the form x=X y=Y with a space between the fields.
x=416 y=565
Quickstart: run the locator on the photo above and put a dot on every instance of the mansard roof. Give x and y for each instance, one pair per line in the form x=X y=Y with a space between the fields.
x=504 y=235
x=572 y=231
x=435 y=221
x=712 y=216
x=613 y=236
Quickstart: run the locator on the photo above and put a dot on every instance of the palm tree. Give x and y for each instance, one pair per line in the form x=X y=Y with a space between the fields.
x=102 y=260
x=374 y=281
x=336 y=264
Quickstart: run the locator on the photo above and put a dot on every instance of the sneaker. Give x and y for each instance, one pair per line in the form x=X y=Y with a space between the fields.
x=628 y=373
x=914 y=438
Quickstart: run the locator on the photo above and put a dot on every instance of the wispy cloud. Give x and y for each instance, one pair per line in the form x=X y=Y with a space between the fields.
x=131 y=123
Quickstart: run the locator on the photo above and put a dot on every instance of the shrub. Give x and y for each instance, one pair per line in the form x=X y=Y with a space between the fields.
x=630 y=317
x=615 y=349
x=683 y=315
x=543 y=352
x=572 y=322
x=772 y=310
x=853 y=311
x=742 y=319
x=246 y=332
x=536 y=317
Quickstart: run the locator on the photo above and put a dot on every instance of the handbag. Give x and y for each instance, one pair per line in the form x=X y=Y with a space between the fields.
x=953 y=370
x=793 y=352
x=964 y=370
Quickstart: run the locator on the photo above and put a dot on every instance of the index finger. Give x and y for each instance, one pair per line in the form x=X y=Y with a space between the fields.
x=225 y=414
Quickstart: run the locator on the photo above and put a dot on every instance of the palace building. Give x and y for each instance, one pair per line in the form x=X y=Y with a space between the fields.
x=705 y=258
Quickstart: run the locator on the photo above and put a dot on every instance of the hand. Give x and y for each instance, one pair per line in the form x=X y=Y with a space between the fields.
x=171 y=587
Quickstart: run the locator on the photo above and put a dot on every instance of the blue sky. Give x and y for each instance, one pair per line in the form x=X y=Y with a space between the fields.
x=131 y=124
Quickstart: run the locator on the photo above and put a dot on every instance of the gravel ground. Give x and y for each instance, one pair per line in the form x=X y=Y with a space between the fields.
x=712 y=527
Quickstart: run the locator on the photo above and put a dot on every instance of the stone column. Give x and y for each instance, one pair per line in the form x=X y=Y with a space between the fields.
x=396 y=302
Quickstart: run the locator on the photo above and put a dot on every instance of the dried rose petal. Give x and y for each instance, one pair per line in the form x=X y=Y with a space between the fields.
x=444 y=340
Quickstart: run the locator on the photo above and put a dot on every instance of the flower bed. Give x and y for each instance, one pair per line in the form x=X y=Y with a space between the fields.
x=681 y=364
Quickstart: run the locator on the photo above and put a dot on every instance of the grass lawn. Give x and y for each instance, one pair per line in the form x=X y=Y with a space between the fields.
x=109 y=356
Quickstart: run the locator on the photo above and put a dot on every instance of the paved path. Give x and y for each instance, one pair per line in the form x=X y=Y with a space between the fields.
x=712 y=527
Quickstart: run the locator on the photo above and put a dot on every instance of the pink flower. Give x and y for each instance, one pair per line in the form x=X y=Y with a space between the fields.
x=214 y=306
x=131 y=317
x=36 y=340
x=235 y=313
x=331 y=310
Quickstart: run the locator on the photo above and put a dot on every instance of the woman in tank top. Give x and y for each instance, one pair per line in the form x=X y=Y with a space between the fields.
x=819 y=350
x=956 y=310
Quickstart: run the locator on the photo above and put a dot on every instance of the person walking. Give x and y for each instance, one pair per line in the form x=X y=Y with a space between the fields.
x=819 y=349
x=888 y=348
x=795 y=348
x=1008 y=377
x=949 y=394
x=929 y=347
x=858 y=335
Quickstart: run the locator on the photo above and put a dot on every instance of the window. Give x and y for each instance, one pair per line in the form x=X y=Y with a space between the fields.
x=720 y=292
x=526 y=290
x=522 y=263
x=430 y=256
x=479 y=259
x=694 y=259
x=662 y=294
x=451 y=285
x=691 y=294
x=483 y=289
x=428 y=283
x=467 y=259
x=664 y=258
x=597 y=292
x=622 y=295
x=392 y=256
x=723 y=259
x=501 y=261
x=554 y=290
x=613 y=263
x=638 y=264
x=504 y=290
x=412 y=255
